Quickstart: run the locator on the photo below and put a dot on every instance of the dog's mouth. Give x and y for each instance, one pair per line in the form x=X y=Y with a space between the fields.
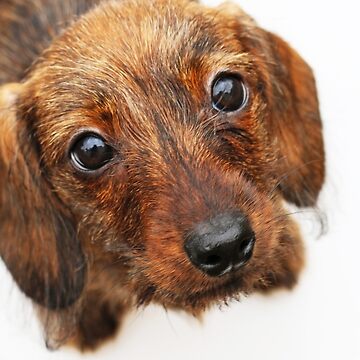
x=232 y=288
x=213 y=291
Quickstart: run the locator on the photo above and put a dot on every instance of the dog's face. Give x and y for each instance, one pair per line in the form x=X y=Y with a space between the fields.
x=160 y=138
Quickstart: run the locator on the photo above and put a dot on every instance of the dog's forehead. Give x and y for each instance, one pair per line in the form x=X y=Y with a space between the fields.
x=130 y=57
x=130 y=39
x=137 y=27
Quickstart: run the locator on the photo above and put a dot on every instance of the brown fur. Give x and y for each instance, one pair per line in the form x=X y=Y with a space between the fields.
x=86 y=248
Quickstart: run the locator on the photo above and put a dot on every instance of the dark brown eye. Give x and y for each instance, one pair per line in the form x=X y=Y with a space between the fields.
x=229 y=93
x=91 y=153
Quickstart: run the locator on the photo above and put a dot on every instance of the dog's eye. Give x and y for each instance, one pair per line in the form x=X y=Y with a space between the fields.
x=91 y=152
x=229 y=93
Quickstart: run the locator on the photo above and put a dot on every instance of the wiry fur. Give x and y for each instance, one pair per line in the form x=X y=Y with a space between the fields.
x=87 y=247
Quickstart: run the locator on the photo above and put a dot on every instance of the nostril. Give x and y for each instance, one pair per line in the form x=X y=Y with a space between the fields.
x=246 y=245
x=212 y=260
x=243 y=246
x=244 y=253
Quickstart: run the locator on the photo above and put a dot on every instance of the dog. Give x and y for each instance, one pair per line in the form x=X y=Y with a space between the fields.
x=147 y=149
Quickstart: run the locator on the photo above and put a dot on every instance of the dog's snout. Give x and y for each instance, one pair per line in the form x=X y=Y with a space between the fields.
x=221 y=245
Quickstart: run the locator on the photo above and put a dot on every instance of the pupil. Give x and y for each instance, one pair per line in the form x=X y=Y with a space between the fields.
x=228 y=94
x=92 y=153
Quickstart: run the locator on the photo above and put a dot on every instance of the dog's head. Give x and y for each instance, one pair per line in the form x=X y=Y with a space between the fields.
x=161 y=137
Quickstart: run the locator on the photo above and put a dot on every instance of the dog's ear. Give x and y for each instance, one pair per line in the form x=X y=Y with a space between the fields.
x=295 y=123
x=38 y=240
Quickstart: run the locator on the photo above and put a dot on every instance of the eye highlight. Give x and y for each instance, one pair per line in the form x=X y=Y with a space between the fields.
x=229 y=93
x=90 y=152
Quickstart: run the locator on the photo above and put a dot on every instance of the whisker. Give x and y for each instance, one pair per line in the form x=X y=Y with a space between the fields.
x=289 y=173
x=320 y=217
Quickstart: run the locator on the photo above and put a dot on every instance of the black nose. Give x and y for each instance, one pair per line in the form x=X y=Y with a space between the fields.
x=221 y=245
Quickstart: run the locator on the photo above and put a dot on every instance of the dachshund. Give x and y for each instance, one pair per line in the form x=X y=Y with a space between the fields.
x=147 y=152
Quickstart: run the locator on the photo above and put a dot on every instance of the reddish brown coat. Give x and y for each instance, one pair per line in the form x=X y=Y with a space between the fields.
x=86 y=247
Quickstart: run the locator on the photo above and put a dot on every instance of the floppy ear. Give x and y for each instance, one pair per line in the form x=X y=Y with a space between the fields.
x=295 y=124
x=38 y=241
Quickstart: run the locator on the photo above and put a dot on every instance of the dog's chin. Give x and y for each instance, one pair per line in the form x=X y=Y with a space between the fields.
x=220 y=293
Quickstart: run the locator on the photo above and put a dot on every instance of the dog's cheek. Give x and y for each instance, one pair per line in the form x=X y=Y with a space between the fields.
x=166 y=264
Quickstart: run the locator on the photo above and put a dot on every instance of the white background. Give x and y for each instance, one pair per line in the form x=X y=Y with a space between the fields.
x=320 y=319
